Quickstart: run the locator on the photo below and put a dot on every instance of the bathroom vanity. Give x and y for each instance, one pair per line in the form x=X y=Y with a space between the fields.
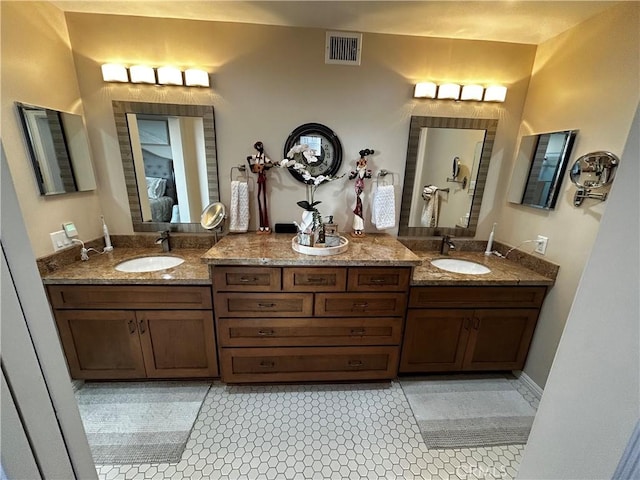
x=284 y=316
x=252 y=310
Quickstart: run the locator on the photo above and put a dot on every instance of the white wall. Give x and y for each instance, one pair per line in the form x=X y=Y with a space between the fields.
x=38 y=68
x=592 y=399
x=587 y=79
x=268 y=80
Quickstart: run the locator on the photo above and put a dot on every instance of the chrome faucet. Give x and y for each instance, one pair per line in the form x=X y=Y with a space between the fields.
x=163 y=240
x=446 y=245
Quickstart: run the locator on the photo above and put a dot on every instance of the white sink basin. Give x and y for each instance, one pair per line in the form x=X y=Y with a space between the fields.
x=149 y=264
x=456 y=265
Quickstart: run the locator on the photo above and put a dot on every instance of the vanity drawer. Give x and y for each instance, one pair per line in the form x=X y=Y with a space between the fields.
x=378 y=279
x=254 y=279
x=130 y=297
x=307 y=364
x=477 y=297
x=264 y=305
x=314 y=279
x=263 y=332
x=360 y=304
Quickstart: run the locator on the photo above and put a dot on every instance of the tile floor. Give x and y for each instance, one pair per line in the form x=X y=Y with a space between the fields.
x=319 y=432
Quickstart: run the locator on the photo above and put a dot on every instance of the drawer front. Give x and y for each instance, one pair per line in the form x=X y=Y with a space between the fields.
x=360 y=304
x=130 y=297
x=314 y=279
x=248 y=279
x=264 y=332
x=307 y=364
x=476 y=297
x=378 y=279
x=262 y=305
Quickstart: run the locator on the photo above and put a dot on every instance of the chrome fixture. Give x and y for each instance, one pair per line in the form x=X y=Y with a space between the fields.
x=446 y=245
x=163 y=240
x=594 y=170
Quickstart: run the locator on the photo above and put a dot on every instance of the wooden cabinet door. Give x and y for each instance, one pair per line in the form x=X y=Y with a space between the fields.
x=178 y=343
x=101 y=344
x=435 y=340
x=499 y=339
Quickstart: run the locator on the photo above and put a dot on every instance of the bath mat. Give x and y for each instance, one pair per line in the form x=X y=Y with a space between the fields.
x=461 y=411
x=139 y=422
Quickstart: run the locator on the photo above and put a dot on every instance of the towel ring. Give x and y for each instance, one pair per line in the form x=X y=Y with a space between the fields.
x=384 y=173
x=242 y=172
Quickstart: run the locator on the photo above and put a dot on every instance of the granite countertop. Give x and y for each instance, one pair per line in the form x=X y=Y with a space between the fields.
x=100 y=269
x=275 y=250
x=503 y=271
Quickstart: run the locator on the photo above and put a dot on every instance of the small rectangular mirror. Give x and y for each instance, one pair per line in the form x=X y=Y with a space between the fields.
x=59 y=149
x=539 y=168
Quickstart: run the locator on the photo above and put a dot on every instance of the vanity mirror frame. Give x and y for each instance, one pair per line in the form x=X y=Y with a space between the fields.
x=120 y=111
x=490 y=127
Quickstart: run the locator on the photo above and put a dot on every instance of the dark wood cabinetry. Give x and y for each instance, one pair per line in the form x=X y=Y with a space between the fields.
x=121 y=332
x=314 y=324
x=492 y=332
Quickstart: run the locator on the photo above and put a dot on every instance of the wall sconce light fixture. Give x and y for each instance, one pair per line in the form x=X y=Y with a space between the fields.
x=453 y=91
x=155 y=76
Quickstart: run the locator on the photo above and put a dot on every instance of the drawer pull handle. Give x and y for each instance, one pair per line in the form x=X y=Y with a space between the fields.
x=267 y=364
x=378 y=280
x=467 y=323
x=265 y=333
x=358 y=331
x=476 y=323
x=316 y=280
x=355 y=363
x=266 y=305
x=361 y=305
x=132 y=327
x=142 y=327
x=247 y=280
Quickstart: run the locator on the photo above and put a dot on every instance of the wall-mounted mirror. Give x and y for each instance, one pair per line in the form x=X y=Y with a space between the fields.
x=170 y=163
x=594 y=170
x=59 y=149
x=539 y=167
x=433 y=202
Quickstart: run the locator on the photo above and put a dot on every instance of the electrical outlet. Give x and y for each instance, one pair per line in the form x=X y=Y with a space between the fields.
x=541 y=247
x=60 y=240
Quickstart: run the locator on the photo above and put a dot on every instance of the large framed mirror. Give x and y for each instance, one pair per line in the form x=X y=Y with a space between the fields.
x=59 y=149
x=539 y=168
x=446 y=170
x=170 y=163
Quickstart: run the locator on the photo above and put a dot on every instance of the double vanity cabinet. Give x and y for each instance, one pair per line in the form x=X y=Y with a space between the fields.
x=252 y=310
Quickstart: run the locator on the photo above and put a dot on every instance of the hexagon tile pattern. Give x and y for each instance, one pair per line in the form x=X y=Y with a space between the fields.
x=318 y=432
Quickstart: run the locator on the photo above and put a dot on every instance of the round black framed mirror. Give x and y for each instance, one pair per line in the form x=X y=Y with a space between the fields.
x=324 y=153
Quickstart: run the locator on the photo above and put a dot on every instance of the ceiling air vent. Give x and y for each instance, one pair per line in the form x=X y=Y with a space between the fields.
x=343 y=48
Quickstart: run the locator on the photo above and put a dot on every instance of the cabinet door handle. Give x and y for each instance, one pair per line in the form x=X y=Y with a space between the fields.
x=142 y=326
x=361 y=305
x=132 y=327
x=267 y=364
x=358 y=331
x=265 y=333
x=266 y=305
x=355 y=363
x=476 y=323
x=467 y=323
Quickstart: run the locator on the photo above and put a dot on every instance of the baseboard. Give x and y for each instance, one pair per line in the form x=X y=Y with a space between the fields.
x=533 y=386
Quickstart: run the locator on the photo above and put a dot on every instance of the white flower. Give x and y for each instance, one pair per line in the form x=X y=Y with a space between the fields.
x=311 y=158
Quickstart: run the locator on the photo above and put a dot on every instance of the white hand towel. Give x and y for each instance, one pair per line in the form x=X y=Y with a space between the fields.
x=239 y=207
x=429 y=217
x=383 y=209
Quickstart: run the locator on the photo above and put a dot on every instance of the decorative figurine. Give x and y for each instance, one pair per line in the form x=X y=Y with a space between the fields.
x=259 y=164
x=360 y=173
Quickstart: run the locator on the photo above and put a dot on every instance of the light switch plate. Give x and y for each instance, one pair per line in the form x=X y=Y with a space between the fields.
x=60 y=240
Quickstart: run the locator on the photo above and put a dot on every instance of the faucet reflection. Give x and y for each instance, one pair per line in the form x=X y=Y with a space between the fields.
x=446 y=245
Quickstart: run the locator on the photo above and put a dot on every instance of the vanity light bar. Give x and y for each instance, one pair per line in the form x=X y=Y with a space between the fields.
x=453 y=91
x=166 y=75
